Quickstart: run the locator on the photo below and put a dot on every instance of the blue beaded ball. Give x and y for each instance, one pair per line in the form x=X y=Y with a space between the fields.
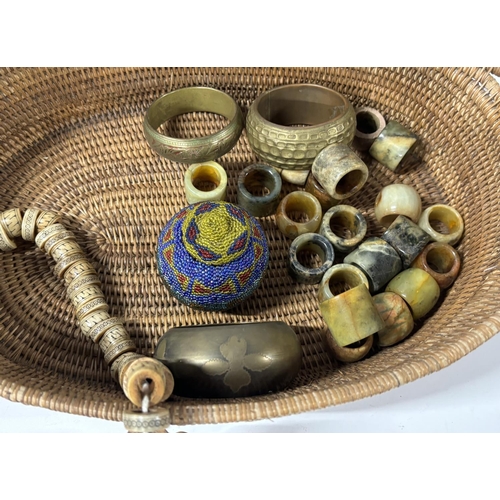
x=212 y=255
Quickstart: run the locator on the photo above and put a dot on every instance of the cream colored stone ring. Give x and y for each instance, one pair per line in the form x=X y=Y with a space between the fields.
x=205 y=181
x=451 y=222
x=189 y=100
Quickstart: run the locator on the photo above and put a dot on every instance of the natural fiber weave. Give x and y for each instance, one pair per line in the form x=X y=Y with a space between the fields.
x=71 y=141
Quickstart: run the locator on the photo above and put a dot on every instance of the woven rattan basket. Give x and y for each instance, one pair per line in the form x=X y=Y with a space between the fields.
x=71 y=141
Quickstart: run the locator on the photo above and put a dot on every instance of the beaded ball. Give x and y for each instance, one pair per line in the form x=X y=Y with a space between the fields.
x=212 y=255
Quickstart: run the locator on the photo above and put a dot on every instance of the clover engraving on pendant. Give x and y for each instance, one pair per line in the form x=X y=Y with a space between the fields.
x=235 y=364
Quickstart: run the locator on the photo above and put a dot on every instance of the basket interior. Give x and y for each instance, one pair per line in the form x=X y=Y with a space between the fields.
x=71 y=141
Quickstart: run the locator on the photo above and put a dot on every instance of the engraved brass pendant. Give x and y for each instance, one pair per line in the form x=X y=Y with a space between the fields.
x=235 y=360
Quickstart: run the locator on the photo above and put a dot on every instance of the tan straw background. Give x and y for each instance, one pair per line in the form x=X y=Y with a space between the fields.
x=71 y=141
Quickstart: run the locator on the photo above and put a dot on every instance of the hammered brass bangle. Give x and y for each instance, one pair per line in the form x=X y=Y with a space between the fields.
x=188 y=100
x=326 y=116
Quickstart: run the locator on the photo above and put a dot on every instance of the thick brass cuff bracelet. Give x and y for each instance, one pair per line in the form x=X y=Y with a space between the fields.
x=188 y=100
x=326 y=117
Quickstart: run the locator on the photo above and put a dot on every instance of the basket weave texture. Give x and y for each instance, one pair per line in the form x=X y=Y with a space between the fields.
x=71 y=141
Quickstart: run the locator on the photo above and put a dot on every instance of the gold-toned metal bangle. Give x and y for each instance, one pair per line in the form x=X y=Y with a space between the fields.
x=187 y=100
x=326 y=116
x=28 y=226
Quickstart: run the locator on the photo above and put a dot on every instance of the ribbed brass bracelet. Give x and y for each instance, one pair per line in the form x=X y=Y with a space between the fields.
x=188 y=100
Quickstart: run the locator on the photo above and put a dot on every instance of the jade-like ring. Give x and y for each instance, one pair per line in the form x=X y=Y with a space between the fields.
x=188 y=100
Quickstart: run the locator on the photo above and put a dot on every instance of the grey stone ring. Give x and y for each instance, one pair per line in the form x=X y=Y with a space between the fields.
x=314 y=243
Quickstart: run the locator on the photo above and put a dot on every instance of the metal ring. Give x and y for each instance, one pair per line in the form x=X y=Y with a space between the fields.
x=257 y=176
x=317 y=244
x=188 y=100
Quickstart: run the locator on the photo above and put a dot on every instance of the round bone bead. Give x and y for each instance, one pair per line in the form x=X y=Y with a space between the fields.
x=348 y=354
x=369 y=125
x=97 y=331
x=397 y=199
x=46 y=219
x=392 y=145
x=91 y=319
x=43 y=236
x=6 y=244
x=156 y=420
x=12 y=220
x=397 y=318
x=113 y=336
x=84 y=295
x=82 y=282
x=349 y=222
x=419 y=289
x=66 y=262
x=314 y=243
x=445 y=216
x=340 y=171
x=200 y=175
x=98 y=304
x=441 y=261
x=255 y=178
x=65 y=248
x=407 y=238
x=136 y=371
x=314 y=187
x=116 y=350
x=78 y=269
x=339 y=278
x=28 y=226
x=56 y=238
x=378 y=260
x=300 y=202
x=351 y=316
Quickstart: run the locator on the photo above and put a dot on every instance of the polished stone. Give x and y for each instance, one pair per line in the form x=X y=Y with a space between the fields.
x=407 y=238
x=378 y=260
x=397 y=318
x=441 y=261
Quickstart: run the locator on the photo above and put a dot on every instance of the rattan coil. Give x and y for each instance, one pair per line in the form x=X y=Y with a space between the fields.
x=71 y=142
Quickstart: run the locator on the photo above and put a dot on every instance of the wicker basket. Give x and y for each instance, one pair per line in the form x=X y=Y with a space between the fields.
x=71 y=141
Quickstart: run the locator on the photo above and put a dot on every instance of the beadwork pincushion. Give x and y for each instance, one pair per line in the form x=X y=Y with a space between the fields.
x=212 y=255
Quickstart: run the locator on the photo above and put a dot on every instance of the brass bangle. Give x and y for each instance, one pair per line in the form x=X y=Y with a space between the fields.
x=327 y=117
x=188 y=100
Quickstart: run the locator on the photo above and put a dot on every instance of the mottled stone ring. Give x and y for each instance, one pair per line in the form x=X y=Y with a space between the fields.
x=314 y=243
x=188 y=100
